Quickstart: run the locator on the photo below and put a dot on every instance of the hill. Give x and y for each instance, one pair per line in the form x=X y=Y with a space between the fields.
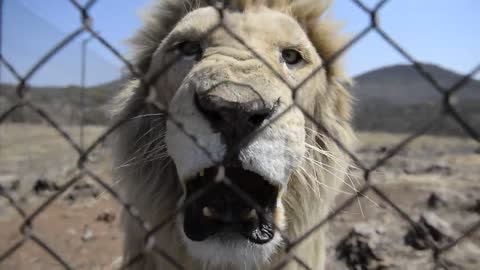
x=403 y=84
x=398 y=99
x=63 y=103
x=391 y=99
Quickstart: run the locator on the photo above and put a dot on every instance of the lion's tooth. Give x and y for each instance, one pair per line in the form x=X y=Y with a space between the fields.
x=252 y=214
x=207 y=212
x=201 y=173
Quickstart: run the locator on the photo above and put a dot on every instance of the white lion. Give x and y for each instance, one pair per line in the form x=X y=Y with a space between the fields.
x=217 y=92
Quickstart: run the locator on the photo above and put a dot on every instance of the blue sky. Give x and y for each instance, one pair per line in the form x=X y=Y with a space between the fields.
x=443 y=32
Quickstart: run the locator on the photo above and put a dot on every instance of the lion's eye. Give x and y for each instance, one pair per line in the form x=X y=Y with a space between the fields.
x=291 y=57
x=190 y=48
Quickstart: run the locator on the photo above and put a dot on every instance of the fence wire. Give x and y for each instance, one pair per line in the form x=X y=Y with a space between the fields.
x=27 y=229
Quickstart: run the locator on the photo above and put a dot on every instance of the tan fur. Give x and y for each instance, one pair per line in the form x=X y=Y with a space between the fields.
x=147 y=176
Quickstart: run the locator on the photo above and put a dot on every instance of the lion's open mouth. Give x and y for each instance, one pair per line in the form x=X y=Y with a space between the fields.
x=223 y=213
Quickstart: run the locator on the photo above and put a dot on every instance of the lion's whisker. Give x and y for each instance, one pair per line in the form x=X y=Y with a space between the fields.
x=146 y=115
x=347 y=175
x=323 y=165
x=328 y=154
x=144 y=135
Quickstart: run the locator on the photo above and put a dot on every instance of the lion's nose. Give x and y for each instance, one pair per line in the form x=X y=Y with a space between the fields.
x=234 y=120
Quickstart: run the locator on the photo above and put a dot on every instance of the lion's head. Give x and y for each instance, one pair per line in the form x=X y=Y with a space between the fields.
x=241 y=88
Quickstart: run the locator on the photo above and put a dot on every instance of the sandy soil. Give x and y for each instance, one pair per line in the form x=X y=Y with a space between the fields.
x=82 y=225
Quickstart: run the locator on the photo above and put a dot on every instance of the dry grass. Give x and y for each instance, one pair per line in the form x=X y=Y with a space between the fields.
x=444 y=165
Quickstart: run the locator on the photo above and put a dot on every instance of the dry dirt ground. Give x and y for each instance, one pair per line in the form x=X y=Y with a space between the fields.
x=436 y=178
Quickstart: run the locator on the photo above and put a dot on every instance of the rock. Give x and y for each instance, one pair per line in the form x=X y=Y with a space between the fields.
x=9 y=182
x=435 y=201
x=87 y=234
x=475 y=207
x=85 y=189
x=70 y=197
x=441 y=169
x=15 y=185
x=381 y=150
x=107 y=216
x=357 y=249
x=414 y=169
x=367 y=230
x=431 y=228
x=43 y=186
x=449 y=199
x=82 y=190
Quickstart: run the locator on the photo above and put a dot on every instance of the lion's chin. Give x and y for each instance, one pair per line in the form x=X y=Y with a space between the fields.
x=226 y=251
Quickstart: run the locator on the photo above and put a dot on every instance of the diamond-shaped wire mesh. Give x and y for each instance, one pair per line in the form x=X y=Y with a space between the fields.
x=28 y=231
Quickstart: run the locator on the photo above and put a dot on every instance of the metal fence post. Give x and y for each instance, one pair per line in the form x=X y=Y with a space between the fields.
x=83 y=89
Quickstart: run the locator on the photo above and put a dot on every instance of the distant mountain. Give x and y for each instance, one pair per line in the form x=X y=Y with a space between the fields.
x=399 y=99
x=392 y=99
x=403 y=84
x=64 y=103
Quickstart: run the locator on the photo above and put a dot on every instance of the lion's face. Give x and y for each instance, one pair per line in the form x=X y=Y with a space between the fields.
x=221 y=93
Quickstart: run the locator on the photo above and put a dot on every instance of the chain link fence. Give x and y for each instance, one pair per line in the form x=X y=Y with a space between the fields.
x=29 y=234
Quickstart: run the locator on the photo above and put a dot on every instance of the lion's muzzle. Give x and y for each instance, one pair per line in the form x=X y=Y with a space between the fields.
x=227 y=211
x=235 y=110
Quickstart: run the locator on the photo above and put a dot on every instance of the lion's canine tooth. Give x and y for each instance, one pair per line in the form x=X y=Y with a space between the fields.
x=252 y=214
x=207 y=212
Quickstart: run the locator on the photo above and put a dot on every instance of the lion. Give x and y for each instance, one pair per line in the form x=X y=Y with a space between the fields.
x=235 y=149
